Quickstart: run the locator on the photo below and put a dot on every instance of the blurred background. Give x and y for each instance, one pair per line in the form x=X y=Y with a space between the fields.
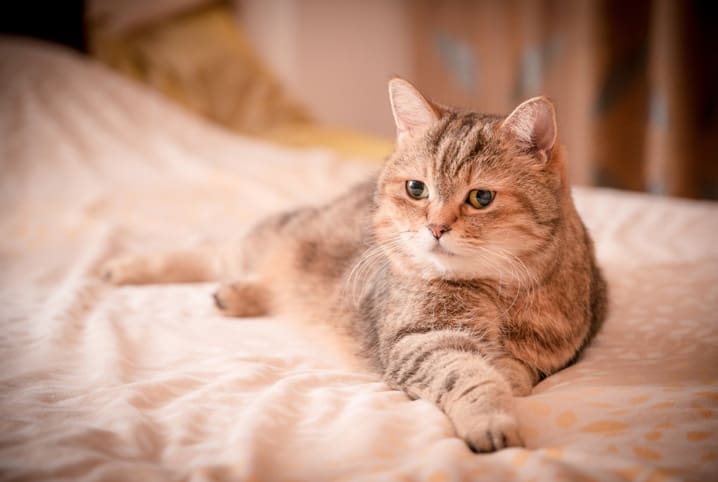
x=635 y=82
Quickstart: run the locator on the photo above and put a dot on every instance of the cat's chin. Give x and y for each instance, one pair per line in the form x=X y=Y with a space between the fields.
x=448 y=265
x=432 y=260
x=440 y=250
x=441 y=263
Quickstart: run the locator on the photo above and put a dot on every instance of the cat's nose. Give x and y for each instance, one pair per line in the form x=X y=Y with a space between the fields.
x=438 y=230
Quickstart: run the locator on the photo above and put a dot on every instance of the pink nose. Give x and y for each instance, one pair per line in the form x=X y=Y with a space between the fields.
x=437 y=230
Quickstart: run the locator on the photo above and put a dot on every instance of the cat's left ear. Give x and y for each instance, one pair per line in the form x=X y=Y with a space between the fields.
x=533 y=126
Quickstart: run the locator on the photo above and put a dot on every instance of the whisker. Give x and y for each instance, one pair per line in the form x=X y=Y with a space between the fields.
x=369 y=262
x=522 y=276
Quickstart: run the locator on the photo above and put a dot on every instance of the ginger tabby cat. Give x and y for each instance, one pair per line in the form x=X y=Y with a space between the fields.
x=463 y=269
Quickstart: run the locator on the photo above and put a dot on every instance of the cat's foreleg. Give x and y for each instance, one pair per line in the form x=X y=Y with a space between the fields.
x=448 y=368
x=518 y=374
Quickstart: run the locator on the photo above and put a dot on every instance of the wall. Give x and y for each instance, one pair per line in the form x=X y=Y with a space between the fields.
x=336 y=56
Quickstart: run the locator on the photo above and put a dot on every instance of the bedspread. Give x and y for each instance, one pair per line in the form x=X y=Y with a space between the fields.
x=99 y=382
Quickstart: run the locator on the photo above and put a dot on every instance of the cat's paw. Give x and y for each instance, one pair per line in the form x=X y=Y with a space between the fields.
x=488 y=433
x=122 y=270
x=243 y=299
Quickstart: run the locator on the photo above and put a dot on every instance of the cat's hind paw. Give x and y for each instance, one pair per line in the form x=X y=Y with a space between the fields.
x=126 y=269
x=218 y=301
x=242 y=299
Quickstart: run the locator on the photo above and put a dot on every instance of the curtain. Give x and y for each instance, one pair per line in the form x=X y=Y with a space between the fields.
x=635 y=83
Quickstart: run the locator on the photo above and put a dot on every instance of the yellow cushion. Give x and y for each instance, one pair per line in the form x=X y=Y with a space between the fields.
x=344 y=141
x=201 y=59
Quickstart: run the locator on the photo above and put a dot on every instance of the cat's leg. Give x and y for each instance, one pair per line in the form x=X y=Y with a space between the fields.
x=243 y=299
x=447 y=367
x=518 y=374
x=188 y=266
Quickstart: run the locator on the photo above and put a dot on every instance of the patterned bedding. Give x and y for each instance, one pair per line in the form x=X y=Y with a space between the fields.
x=150 y=383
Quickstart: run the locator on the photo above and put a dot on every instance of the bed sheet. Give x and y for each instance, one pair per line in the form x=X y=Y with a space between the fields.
x=150 y=383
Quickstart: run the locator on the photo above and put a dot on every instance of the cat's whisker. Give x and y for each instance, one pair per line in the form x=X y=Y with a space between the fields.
x=356 y=282
x=361 y=267
x=519 y=275
x=362 y=280
x=489 y=260
x=529 y=281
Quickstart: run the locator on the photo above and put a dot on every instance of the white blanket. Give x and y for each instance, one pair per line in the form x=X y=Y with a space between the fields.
x=150 y=383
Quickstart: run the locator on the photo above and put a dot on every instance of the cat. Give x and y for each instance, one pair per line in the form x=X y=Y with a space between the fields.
x=462 y=268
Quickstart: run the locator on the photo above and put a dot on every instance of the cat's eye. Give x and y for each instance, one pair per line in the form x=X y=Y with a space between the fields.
x=417 y=190
x=479 y=198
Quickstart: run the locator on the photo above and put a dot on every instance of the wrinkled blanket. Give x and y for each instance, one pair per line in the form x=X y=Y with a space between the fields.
x=99 y=382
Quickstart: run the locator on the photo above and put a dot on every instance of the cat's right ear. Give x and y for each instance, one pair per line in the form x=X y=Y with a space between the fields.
x=413 y=113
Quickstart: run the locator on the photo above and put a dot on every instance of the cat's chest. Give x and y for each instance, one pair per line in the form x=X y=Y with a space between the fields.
x=469 y=305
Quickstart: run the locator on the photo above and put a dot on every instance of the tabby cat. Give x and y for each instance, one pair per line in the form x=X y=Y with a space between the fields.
x=462 y=268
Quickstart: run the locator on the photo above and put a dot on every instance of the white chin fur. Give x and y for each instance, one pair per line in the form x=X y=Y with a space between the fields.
x=455 y=263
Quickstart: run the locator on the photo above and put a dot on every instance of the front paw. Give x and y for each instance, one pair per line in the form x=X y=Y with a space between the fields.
x=491 y=432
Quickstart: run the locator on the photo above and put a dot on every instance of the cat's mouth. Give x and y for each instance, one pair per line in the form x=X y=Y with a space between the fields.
x=438 y=248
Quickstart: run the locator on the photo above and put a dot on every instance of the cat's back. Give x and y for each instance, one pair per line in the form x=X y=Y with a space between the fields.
x=340 y=227
x=329 y=242
x=309 y=253
x=319 y=242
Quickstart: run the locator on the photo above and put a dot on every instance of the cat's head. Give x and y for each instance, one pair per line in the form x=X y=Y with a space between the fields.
x=466 y=195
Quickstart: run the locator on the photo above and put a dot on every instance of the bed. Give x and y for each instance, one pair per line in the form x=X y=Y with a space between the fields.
x=99 y=382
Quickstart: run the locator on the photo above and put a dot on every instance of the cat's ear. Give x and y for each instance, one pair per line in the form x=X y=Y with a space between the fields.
x=413 y=113
x=533 y=126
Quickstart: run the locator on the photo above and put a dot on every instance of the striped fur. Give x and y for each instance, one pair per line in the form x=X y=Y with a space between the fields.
x=508 y=295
